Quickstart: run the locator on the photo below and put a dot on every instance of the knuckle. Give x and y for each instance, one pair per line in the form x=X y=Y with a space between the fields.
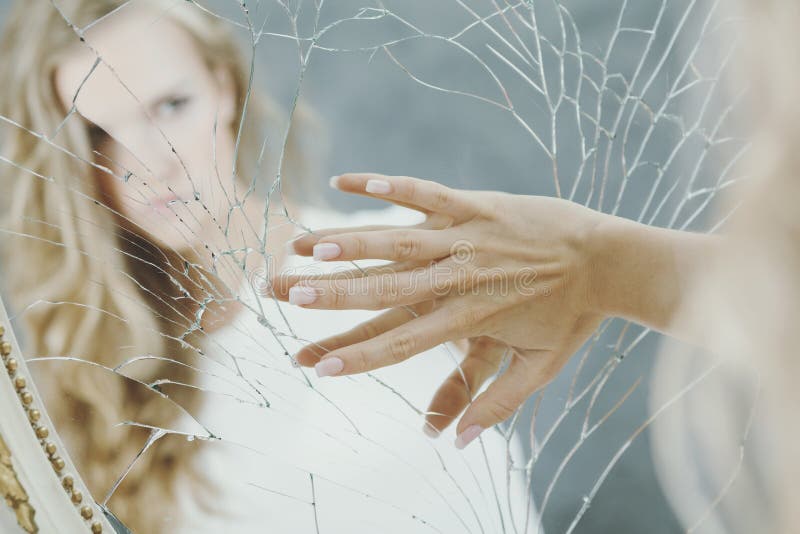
x=494 y=205
x=357 y=362
x=385 y=291
x=338 y=296
x=442 y=198
x=400 y=346
x=501 y=409
x=411 y=190
x=406 y=247
x=366 y=331
x=359 y=246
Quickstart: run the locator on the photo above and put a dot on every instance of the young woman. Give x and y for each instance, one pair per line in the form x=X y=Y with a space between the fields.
x=137 y=210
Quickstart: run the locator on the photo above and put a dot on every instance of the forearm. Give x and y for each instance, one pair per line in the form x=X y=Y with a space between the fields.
x=643 y=273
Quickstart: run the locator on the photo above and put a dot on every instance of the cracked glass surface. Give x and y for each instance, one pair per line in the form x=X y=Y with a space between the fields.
x=152 y=175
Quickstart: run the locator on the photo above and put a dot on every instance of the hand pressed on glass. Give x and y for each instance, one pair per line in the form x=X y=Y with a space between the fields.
x=507 y=272
x=530 y=275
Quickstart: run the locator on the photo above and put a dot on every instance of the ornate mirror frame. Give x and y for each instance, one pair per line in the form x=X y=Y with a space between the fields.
x=38 y=480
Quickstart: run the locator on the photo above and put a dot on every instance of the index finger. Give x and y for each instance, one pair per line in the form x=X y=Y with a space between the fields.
x=422 y=195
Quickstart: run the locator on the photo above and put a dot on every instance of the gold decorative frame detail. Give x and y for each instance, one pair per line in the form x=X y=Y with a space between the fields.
x=52 y=450
x=15 y=495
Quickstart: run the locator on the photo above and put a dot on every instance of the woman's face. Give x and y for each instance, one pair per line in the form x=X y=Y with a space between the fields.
x=161 y=117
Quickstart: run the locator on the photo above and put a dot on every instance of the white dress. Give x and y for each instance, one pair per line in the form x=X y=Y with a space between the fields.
x=339 y=455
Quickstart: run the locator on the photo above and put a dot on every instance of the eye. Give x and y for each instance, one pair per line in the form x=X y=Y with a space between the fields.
x=172 y=105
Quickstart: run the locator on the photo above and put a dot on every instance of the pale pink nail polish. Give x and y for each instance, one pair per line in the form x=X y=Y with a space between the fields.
x=379 y=187
x=299 y=295
x=329 y=367
x=468 y=435
x=334 y=182
x=326 y=251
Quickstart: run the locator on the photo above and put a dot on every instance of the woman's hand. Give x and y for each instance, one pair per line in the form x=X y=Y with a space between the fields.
x=505 y=271
x=520 y=276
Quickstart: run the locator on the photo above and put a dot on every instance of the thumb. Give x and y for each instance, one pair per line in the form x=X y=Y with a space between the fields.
x=527 y=372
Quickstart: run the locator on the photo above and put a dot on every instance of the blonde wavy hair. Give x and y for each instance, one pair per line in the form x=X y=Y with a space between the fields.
x=89 y=287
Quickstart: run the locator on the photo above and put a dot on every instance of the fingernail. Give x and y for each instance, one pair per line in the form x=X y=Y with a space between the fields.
x=430 y=431
x=334 y=182
x=329 y=367
x=467 y=436
x=300 y=295
x=326 y=251
x=379 y=187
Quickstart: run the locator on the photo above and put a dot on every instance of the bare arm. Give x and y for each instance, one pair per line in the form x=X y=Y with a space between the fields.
x=643 y=273
x=531 y=275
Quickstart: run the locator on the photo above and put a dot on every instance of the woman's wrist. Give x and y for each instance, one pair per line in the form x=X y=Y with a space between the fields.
x=636 y=271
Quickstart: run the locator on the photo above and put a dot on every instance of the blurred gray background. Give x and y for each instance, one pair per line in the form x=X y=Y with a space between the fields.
x=374 y=117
